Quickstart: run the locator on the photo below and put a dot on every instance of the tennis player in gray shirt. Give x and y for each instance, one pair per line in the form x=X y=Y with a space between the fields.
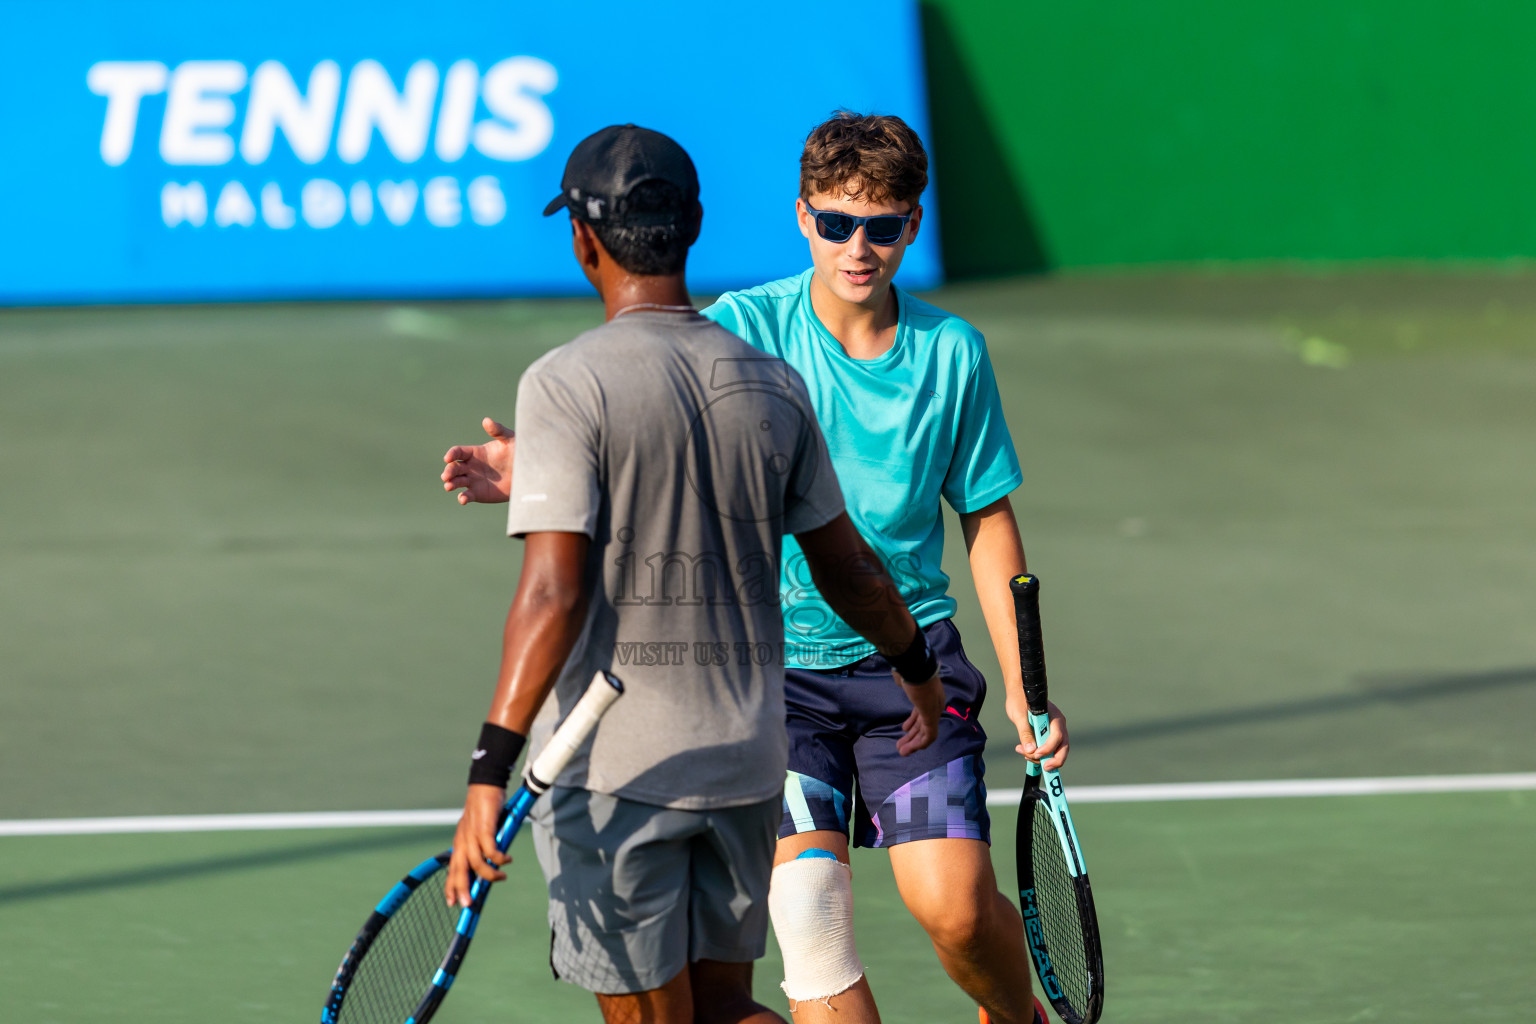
x=660 y=462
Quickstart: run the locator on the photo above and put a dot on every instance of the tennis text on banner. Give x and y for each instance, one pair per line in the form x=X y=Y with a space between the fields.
x=202 y=124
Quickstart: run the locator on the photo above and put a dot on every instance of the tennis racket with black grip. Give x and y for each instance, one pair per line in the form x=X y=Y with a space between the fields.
x=409 y=952
x=1060 y=924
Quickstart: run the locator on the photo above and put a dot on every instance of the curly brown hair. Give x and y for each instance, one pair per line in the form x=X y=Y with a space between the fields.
x=875 y=157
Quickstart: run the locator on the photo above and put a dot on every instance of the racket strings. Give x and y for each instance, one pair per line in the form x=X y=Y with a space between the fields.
x=1056 y=894
x=398 y=968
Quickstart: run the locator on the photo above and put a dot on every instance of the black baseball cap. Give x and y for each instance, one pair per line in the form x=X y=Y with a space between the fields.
x=606 y=166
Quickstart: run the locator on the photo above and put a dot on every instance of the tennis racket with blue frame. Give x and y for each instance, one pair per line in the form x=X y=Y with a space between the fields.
x=403 y=962
x=1060 y=923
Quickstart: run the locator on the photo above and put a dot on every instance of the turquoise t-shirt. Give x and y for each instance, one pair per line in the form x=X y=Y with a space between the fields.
x=921 y=421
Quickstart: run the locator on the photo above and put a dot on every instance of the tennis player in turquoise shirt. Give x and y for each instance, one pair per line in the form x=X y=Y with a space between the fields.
x=909 y=406
x=919 y=422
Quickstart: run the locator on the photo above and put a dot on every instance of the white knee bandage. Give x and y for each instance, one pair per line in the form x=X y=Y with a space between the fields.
x=811 y=903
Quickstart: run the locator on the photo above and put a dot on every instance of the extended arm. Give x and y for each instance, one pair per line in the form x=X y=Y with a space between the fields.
x=997 y=554
x=542 y=626
x=857 y=587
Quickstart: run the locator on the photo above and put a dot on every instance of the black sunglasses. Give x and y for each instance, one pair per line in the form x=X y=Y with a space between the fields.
x=881 y=229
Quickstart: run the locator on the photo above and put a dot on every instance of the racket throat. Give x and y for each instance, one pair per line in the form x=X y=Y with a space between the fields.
x=1040 y=725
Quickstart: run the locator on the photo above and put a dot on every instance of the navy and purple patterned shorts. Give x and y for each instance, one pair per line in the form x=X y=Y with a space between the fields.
x=845 y=773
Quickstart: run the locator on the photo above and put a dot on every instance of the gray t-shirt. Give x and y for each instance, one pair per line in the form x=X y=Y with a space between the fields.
x=686 y=455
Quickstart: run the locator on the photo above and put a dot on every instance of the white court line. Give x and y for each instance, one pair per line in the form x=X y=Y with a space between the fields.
x=1259 y=789
x=224 y=822
x=995 y=798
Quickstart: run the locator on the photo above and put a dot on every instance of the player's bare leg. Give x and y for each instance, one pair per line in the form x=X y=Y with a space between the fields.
x=949 y=886
x=855 y=1004
x=705 y=992
x=670 y=1004
x=722 y=994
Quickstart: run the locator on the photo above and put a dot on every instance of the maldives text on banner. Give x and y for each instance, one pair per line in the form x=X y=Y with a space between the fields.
x=286 y=149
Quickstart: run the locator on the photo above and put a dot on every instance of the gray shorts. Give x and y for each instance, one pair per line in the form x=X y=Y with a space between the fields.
x=638 y=892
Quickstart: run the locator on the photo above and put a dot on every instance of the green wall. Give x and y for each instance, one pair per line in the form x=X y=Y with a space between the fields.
x=1136 y=131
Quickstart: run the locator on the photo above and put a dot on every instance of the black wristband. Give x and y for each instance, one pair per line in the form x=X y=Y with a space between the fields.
x=492 y=761
x=916 y=664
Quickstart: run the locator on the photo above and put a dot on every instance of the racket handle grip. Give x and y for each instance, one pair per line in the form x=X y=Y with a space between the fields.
x=1026 y=613
x=573 y=732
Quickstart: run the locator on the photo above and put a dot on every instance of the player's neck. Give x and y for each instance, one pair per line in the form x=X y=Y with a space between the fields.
x=865 y=330
x=626 y=291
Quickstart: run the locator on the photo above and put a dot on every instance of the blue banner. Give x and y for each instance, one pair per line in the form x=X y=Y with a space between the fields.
x=176 y=151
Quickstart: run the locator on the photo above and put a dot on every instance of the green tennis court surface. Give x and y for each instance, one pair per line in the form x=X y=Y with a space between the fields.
x=1284 y=526
x=1401 y=909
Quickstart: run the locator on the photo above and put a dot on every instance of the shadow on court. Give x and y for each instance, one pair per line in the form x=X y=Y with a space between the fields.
x=1377 y=690
x=181 y=871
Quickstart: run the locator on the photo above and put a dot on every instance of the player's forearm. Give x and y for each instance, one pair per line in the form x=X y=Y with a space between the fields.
x=535 y=644
x=856 y=586
x=996 y=555
x=884 y=621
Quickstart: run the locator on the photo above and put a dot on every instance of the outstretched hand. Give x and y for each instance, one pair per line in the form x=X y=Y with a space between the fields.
x=482 y=472
x=474 y=844
x=922 y=726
